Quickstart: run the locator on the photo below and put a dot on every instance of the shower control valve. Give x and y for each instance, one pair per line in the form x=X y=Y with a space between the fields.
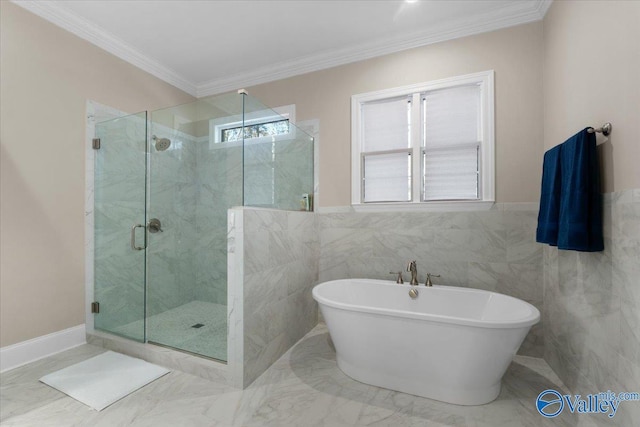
x=155 y=225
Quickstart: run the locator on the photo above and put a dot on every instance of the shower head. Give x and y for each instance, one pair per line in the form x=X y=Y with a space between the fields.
x=161 y=143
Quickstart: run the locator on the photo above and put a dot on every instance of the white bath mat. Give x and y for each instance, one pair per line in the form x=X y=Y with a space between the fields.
x=102 y=380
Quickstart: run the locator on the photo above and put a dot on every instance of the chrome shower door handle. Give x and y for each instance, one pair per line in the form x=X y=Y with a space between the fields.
x=133 y=238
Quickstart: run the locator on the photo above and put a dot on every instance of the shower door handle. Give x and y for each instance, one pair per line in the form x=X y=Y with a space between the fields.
x=133 y=237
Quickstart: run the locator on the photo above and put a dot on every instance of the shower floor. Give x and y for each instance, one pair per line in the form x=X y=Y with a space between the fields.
x=175 y=328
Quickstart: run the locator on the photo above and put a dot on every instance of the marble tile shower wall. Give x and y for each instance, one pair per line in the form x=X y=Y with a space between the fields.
x=219 y=187
x=172 y=199
x=281 y=253
x=293 y=171
x=277 y=174
x=192 y=187
x=592 y=308
x=493 y=250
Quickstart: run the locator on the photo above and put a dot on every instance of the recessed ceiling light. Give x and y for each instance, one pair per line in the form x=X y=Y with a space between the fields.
x=411 y=1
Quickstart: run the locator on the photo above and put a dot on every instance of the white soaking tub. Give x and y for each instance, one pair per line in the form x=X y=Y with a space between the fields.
x=450 y=344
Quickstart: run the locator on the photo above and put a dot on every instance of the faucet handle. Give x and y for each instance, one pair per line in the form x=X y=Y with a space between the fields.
x=429 y=276
x=399 y=278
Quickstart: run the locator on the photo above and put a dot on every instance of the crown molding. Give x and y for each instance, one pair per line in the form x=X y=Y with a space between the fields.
x=58 y=15
x=516 y=13
x=543 y=7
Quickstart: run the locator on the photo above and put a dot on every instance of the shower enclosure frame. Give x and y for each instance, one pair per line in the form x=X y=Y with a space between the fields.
x=231 y=372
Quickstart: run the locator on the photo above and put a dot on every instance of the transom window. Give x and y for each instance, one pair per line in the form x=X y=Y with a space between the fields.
x=258 y=130
x=430 y=142
x=265 y=125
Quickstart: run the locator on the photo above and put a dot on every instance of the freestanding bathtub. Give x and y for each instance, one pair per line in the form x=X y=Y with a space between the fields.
x=450 y=344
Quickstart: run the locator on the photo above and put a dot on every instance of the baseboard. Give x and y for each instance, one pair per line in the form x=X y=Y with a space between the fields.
x=16 y=355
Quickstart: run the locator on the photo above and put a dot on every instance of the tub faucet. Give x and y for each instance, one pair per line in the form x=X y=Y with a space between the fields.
x=411 y=267
x=429 y=276
x=399 y=277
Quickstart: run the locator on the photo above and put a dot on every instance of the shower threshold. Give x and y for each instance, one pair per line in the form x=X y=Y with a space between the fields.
x=201 y=356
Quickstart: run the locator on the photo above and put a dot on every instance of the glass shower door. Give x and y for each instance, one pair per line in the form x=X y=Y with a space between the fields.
x=119 y=214
x=193 y=179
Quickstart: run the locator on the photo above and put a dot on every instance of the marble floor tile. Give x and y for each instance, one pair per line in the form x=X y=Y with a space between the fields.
x=303 y=388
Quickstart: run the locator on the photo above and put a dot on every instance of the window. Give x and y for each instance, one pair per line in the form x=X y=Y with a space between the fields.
x=257 y=130
x=423 y=144
x=260 y=126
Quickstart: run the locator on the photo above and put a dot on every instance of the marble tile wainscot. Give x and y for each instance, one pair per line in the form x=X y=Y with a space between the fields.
x=592 y=308
x=493 y=250
x=273 y=265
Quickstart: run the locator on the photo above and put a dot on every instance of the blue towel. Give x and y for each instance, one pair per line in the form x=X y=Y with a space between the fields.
x=570 y=203
x=548 y=216
x=580 y=225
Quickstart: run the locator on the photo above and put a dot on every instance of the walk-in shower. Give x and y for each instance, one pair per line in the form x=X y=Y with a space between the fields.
x=163 y=183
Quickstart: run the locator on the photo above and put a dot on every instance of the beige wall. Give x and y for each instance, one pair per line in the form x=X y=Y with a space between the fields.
x=591 y=301
x=47 y=74
x=592 y=76
x=514 y=53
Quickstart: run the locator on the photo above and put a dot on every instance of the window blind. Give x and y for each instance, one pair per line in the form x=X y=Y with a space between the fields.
x=386 y=157
x=387 y=177
x=451 y=124
x=451 y=173
x=385 y=125
x=451 y=116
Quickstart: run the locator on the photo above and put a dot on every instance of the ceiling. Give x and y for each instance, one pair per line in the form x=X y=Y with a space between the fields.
x=207 y=47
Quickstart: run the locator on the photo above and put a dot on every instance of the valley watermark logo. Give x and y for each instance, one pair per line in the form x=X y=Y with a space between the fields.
x=550 y=403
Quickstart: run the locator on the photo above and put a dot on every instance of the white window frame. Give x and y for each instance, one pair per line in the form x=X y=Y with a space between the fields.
x=486 y=186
